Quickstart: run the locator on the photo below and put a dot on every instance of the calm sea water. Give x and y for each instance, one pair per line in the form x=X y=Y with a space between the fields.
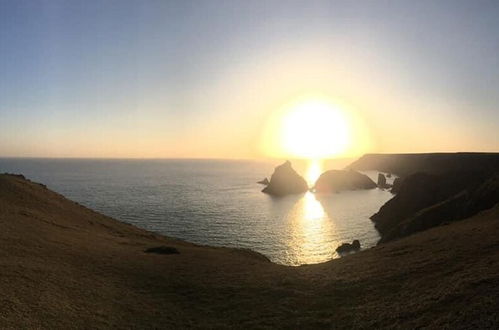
x=214 y=202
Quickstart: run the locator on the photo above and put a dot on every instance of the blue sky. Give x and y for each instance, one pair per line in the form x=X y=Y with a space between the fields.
x=199 y=78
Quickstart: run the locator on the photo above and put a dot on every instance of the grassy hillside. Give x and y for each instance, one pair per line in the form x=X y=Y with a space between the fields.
x=64 y=266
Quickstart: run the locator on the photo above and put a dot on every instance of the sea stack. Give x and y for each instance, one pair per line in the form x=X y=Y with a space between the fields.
x=339 y=180
x=285 y=181
x=382 y=181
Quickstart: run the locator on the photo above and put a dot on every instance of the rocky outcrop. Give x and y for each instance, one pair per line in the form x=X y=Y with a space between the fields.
x=396 y=185
x=285 y=181
x=340 y=180
x=265 y=182
x=347 y=247
x=382 y=181
x=427 y=200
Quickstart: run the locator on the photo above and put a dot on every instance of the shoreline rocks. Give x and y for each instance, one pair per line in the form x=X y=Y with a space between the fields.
x=348 y=247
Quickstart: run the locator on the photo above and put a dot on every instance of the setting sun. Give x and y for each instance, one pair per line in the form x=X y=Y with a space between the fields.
x=314 y=129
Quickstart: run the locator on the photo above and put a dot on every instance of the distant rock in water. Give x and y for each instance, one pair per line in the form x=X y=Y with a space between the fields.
x=264 y=182
x=382 y=181
x=347 y=247
x=285 y=181
x=339 y=180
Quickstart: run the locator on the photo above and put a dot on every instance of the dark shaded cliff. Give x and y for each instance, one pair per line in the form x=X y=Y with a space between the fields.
x=405 y=164
x=434 y=189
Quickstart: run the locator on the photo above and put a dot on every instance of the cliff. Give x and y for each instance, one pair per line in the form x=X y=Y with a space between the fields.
x=434 y=189
x=434 y=163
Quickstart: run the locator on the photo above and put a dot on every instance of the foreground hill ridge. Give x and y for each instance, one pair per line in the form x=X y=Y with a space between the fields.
x=64 y=266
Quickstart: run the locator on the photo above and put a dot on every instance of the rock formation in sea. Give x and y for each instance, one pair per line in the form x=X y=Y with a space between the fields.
x=347 y=247
x=382 y=181
x=265 y=182
x=285 y=181
x=339 y=180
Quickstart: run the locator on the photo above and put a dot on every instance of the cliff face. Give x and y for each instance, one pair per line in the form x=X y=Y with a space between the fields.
x=429 y=188
x=427 y=200
x=406 y=164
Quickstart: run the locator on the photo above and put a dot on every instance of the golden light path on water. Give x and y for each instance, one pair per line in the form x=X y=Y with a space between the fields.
x=314 y=225
x=310 y=224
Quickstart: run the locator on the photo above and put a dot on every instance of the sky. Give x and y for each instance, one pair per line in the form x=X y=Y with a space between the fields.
x=201 y=79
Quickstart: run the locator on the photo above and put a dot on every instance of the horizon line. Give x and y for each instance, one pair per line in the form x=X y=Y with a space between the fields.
x=242 y=159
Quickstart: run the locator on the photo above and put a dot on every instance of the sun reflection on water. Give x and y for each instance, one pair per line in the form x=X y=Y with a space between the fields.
x=312 y=208
x=311 y=227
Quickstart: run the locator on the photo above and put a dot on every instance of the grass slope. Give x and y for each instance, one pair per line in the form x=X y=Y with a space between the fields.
x=63 y=266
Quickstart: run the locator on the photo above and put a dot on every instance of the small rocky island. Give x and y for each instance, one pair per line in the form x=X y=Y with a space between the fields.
x=340 y=180
x=285 y=181
x=348 y=247
x=382 y=184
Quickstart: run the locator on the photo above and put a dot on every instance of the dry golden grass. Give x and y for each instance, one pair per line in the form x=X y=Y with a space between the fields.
x=63 y=266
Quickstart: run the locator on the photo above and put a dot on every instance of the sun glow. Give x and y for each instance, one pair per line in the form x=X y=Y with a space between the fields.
x=314 y=129
x=314 y=170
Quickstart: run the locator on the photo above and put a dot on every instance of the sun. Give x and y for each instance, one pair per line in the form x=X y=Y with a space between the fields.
x=314 y=129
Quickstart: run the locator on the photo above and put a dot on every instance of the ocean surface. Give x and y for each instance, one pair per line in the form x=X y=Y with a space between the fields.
x=215 y=202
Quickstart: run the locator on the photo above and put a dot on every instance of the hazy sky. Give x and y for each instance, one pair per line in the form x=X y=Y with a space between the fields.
x=201 y=78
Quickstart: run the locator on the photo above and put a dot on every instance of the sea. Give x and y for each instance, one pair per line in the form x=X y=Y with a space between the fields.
x=216 y=202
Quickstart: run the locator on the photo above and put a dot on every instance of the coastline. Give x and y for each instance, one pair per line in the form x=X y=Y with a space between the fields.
x=66 y=266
